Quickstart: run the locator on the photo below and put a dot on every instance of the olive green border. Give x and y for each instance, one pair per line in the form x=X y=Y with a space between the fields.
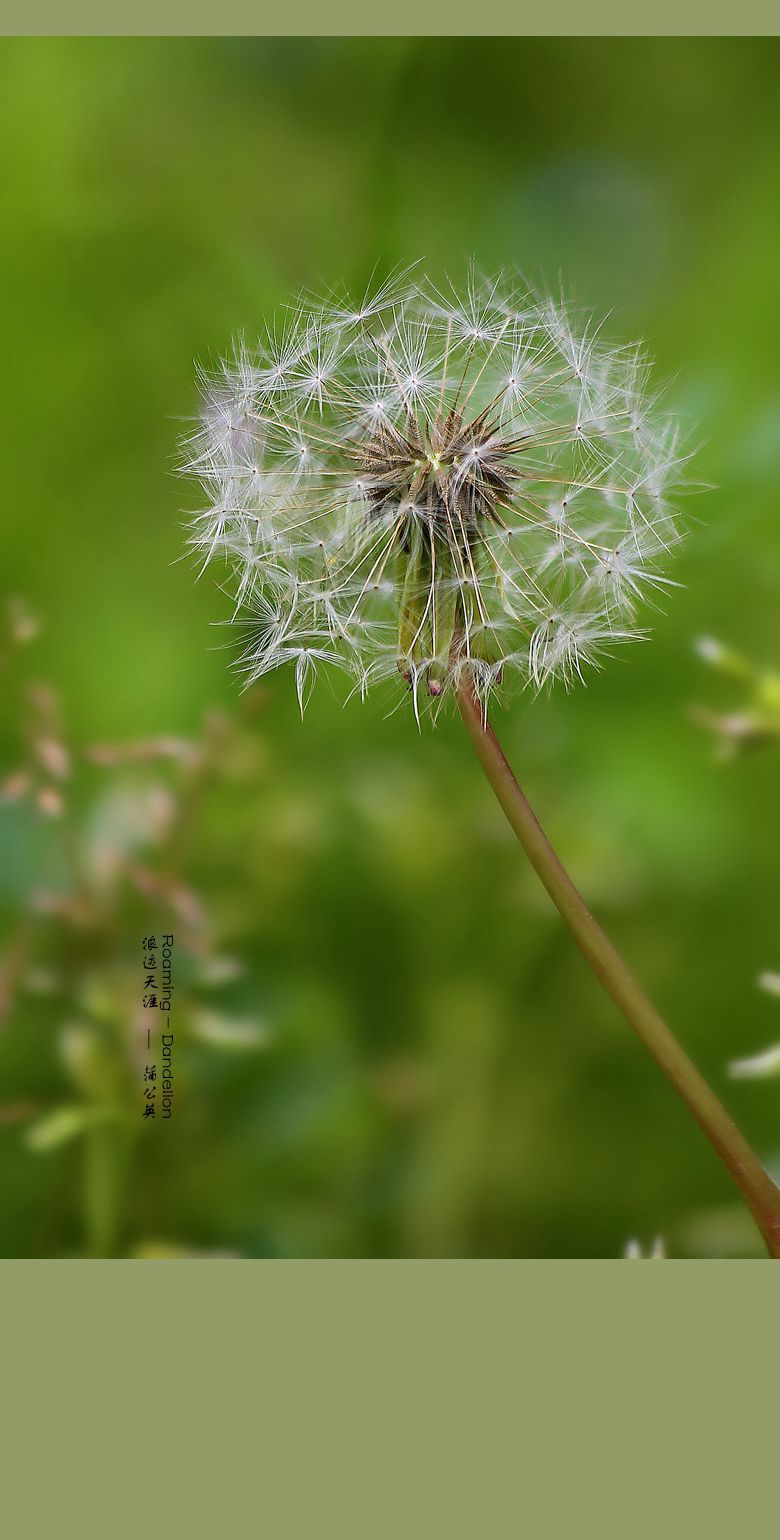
x=373 y=1399
x=403 y=17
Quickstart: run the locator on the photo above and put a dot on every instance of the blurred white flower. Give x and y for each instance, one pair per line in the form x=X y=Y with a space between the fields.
x=427 y=483
x=634 y=1253
x=761 y=1066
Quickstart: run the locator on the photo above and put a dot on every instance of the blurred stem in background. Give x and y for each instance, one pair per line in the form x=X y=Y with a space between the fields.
x=756 y=720
x=754 y=1182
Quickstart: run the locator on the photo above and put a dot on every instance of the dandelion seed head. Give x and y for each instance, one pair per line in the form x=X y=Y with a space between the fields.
x=421 y=482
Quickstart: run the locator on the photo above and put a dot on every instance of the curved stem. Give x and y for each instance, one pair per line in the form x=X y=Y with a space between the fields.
x=754 y=1182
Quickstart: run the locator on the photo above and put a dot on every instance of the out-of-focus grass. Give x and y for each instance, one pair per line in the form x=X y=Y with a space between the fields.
x=434 y=1072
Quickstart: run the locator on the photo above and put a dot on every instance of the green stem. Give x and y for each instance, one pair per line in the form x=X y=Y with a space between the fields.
x=755 y=1184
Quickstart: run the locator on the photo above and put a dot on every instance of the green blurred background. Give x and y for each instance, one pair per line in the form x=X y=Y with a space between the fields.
x=385 y=1043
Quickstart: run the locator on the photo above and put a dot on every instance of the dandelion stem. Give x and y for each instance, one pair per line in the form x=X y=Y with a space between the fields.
x=754 y=1182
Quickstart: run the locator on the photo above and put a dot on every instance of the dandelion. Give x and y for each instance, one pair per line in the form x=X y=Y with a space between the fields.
x=459 y=492
x=432 y=486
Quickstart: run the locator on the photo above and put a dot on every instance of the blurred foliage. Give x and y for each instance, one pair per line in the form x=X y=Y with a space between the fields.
x=755 y=720
x=387 y=1046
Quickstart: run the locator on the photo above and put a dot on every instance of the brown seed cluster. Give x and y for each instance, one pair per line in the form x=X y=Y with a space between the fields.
x=449 y=473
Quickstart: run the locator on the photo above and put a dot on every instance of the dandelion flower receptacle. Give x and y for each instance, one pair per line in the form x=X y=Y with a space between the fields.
x=458 y=493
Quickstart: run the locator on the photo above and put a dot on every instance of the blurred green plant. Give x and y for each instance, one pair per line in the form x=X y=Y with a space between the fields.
x=766 y=1064
x=115 y=863
x=755 y=722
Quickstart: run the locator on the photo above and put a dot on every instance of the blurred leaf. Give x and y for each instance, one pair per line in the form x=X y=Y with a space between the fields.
x=228 y=1032
x=57 y=1128
x=89 y=1060
x=770 y=982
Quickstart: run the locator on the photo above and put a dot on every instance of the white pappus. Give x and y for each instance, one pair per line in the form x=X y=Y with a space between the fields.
x=428 y=482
